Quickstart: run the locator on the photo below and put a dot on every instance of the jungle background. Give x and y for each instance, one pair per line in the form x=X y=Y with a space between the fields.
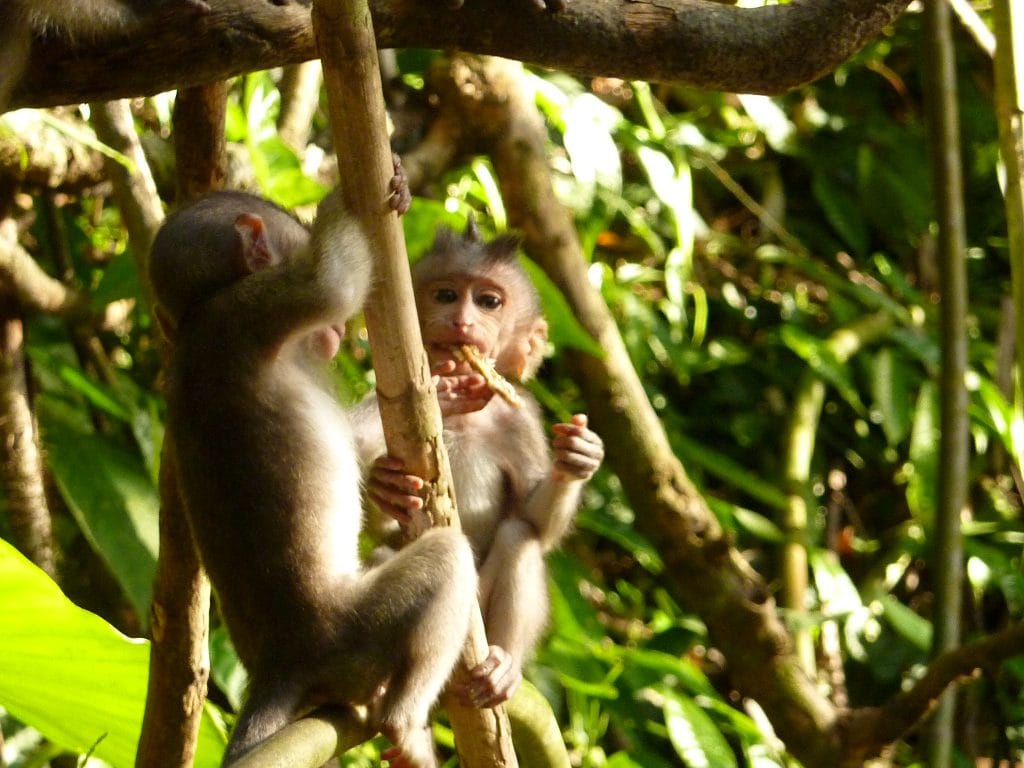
x=771 y=265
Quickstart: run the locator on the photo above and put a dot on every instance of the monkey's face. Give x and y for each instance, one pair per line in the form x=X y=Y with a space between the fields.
x=463 y=309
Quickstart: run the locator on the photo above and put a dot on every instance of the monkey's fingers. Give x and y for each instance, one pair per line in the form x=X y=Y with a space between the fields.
x=493 y=680
x=578 y=453
x=570 y=437
x=394 y=492
x=399 y=196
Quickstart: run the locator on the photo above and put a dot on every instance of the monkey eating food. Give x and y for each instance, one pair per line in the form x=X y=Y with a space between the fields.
x=252 y=303
x=516 y=498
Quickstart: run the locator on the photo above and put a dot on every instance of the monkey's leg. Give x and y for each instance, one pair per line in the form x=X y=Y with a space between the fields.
x=513 y=596
x=423 y=594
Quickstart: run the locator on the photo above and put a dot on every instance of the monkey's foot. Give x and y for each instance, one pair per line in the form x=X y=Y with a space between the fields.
x=492 y=681
x=413 y=748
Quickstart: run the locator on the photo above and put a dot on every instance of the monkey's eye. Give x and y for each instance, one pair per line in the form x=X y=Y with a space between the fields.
x=445 y=295
x=489 y=301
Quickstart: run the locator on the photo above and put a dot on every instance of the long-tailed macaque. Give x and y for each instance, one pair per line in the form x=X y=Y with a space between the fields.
x=516 y=499
x=22 y=20
x=252 y=303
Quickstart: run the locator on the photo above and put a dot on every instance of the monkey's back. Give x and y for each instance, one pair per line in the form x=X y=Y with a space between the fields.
x=268 y=477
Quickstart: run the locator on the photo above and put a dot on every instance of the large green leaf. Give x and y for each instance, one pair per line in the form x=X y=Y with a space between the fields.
x=70 y=675
x=111 y=497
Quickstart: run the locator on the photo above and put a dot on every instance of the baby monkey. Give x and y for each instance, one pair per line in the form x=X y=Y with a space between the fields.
x=516 y=499
x=252 y=304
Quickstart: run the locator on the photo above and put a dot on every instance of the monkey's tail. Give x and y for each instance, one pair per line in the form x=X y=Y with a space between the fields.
x=269 y=707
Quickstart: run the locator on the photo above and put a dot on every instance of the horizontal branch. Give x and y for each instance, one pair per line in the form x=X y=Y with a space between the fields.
x=693 y=42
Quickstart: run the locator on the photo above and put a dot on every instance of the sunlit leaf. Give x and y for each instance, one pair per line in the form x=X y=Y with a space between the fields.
x=836 y=589
x=817 y=354
x=696 y=738
x=70 y=675
x=909 y=625
x=924 y=456
x=588 y=140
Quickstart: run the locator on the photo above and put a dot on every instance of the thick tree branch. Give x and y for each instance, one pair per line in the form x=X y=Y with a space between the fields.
x=694 y=42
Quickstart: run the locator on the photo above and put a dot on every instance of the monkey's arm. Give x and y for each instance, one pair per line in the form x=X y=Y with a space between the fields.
x=550 y=506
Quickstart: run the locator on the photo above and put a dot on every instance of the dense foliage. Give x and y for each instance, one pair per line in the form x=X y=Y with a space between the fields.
x=751 y=250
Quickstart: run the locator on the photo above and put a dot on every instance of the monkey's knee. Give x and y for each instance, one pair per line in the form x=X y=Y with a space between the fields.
x=450 y=549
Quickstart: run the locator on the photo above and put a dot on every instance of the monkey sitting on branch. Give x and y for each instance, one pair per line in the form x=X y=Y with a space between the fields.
x=516 y=499
x=252 y=304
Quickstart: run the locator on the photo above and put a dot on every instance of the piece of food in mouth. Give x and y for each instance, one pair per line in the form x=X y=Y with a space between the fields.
x=494 y=380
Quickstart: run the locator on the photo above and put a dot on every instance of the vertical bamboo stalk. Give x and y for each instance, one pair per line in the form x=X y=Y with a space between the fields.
x=947 y=550
x=408 y=403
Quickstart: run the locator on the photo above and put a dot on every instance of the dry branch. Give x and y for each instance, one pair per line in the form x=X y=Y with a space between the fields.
x=697 y=43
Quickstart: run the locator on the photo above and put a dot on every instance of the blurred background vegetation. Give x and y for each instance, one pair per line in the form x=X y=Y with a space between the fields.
x=759 y=254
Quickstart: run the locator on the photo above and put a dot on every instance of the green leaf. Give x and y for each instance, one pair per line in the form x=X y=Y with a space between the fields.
x=73 y=677
x=890 y=391
x=916 y=629
x=623 y=534
x=823 y=361
x=836 y=589
x=111 y=497
x=842 y=211
x=564 y=329
x=922 y=469
x=589 y=143
x=696 y=738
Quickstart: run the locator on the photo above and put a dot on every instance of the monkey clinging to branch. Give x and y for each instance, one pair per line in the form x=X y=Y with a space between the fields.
x=516 y=500
x=252 y=305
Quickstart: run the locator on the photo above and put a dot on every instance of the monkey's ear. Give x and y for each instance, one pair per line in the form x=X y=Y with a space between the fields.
x=256 y=251
x=537 y=342
x=472 y=233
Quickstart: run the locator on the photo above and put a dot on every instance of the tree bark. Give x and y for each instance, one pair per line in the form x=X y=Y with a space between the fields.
x=693 y=42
